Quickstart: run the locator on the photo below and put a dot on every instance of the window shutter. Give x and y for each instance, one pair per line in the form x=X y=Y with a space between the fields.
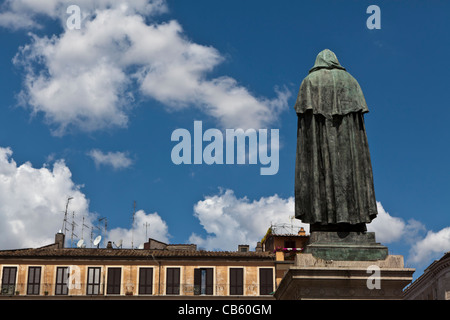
x=265 y=281
x=236 y=281
x=197 y=281
x=173 y=281
x=145 y=280
x=209 y=281
x=114 y=280
x=9 y=280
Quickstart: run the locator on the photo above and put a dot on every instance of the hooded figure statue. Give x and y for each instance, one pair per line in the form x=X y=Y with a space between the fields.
x=334 y=189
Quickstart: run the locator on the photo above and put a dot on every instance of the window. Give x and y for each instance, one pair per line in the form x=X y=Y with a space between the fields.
x=113 y=281
x=173 y=281
x=146 y=281
x=62 y=276
x=34 y=280
x=9 y=280
x=236 y=281
x=290 y=244
x=203 y=281
x=265 y=281
x=93 y=281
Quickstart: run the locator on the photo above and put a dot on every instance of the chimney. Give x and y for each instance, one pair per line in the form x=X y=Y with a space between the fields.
x=243 y=248
x=109 y=245
x=258 y=247
x=60 y=239
x=302 y=232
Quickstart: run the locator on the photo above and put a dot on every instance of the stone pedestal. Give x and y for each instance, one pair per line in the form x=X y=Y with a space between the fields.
x=346 y=246
x=315 y=278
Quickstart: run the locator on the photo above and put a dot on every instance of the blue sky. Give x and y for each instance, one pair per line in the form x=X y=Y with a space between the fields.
x=89 y=113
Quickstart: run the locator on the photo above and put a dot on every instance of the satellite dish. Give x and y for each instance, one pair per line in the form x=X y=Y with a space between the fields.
x=141 y=246
x=119 y=244
x=80 y=243
x=97 y=240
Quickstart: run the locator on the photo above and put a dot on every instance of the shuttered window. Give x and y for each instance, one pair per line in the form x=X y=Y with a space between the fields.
x=145 y=280
x=34 y=280
x=9 y=280
x=62 y=276
x=114 y=275
x=265 y=281
x=203 y=281
x=173 y=281
x=236 y=281
x=93 y=281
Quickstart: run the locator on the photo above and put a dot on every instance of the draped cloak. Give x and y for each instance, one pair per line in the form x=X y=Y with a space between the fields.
x=333 y=178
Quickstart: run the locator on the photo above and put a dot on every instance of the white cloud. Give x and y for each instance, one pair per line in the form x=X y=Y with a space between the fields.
x=33 y=200
x=117 y=160
x=230 y=221
x=23 y=14
x=13 y=20
x=88 y=78
x=390 y=229
x=139 y=233
x=387 y=228
x=433 y=246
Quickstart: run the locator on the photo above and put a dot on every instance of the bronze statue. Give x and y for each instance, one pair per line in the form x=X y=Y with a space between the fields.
x=334 y=189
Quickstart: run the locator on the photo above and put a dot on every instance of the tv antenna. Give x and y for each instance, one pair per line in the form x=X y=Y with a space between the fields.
x=92 y=233
x=132 y=224
x=82 y=228
x=64 y=227
x=146 y=225
x=106 y=222
x=73 y=228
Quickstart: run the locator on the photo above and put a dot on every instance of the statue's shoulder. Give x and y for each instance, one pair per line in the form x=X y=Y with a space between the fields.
x=330 y=92
x=324 y=76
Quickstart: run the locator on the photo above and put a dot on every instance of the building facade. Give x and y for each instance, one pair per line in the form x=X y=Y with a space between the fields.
x=433 y=284
x=158 y=270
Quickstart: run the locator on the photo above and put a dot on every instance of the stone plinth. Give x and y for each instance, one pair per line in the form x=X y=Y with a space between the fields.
x=346 y=246
x=315 y=278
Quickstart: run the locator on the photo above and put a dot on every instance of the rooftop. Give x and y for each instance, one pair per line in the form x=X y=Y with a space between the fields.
x=85 y=253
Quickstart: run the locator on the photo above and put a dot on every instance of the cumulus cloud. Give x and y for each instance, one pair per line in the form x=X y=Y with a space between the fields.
x=389 y=229
x=145 y=226
x=117 y=160
x=33 y=200
x=89 y=78
x=230 y=221
x=433 y=246
x=24 y=14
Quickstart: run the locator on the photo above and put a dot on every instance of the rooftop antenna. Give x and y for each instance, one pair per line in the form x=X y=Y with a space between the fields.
x=73 y=228
x=132 y=224
x=106 y=224
x=82 y=228
x=292 y=223
x=146 y=225
x=92 y=234
x=64 y=227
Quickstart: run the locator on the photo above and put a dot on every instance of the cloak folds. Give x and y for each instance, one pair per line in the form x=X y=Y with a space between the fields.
x=333 y=179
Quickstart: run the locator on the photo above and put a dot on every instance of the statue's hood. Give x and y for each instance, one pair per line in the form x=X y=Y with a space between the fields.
x=326 y=60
